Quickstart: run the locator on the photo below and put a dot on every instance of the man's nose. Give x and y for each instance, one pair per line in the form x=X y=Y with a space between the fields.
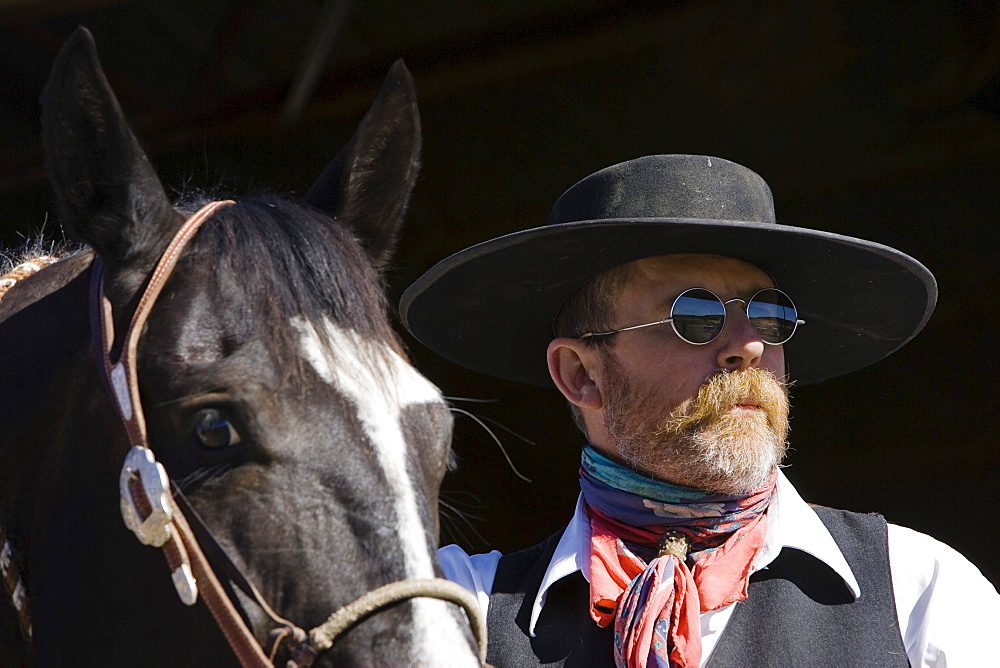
x=741 y=346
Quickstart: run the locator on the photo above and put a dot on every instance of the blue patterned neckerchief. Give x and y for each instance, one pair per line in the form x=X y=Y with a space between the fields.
x=641 y=590
x=640 y=501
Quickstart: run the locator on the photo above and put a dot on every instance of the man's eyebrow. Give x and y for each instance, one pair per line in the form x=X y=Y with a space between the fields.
x=667 y=303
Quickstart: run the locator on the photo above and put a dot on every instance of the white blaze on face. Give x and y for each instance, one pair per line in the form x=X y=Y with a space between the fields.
x=381 y=384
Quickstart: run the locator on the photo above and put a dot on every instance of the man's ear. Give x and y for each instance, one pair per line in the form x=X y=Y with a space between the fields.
x=575 y=369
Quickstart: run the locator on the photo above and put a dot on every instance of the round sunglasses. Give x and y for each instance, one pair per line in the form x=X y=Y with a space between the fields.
x=698 y=316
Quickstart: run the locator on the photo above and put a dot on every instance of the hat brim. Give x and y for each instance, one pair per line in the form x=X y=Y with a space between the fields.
x=490 y=307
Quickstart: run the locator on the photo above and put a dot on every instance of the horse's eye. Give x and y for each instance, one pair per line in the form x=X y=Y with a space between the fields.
x=213 y=430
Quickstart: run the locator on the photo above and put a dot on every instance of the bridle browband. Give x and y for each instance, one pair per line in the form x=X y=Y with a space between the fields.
x=152 y=506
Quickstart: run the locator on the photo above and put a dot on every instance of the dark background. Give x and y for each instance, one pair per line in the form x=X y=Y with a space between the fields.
x=874 y=119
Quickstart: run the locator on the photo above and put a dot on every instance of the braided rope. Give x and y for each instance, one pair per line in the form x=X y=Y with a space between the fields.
x=321 y=638
x=14 y=585
x=9 y=572
x=23 y=270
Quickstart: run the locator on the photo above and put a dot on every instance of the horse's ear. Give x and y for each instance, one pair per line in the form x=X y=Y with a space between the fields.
x=367 y=186
x=107 y=193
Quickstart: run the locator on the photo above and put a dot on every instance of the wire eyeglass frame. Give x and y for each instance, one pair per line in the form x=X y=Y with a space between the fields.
x=746 y=303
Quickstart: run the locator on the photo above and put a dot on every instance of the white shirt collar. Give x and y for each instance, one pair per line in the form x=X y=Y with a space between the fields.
x=791 y=523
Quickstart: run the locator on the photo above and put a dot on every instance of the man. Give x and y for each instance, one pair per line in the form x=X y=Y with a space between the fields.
x=673 y=311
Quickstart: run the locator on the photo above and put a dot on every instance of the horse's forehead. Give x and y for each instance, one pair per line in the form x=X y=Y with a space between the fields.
x=365 y=368
x=380 y=384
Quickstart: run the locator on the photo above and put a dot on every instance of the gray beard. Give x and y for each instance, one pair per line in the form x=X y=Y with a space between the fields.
x=730 y=454
x=705 y=460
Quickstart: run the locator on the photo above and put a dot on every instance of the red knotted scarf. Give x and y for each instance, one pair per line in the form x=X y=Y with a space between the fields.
x=656 y=605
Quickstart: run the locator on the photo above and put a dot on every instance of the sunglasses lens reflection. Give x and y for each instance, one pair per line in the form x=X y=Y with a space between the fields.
x=698 y=315
x=773 y=315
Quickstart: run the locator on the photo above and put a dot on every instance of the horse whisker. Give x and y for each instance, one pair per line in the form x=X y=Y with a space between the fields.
x=453 y=533
x=473 y=498
x=495 y=440
x=507 y=429
x=473 y=401
x=202 y=474
x=455 y=518
x=460 y=508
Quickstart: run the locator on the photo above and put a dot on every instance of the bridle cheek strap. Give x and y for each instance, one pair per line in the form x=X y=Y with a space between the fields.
x=122 y=373
x=150 y=507
x=147 y=505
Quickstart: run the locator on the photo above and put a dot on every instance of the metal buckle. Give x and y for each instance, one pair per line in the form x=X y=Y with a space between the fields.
x=153 y=529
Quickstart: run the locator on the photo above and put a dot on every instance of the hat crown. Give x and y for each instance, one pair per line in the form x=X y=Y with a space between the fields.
x=668 y=186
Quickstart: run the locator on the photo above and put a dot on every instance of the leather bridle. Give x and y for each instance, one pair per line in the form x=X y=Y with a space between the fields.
x=159 y=515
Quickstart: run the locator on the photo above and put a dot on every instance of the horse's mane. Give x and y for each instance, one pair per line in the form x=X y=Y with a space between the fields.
x=306 y=265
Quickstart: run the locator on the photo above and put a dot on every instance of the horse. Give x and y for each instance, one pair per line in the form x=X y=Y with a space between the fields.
x=276 y=397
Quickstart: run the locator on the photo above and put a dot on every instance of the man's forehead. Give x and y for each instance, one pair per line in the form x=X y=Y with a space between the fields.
x=695 y=266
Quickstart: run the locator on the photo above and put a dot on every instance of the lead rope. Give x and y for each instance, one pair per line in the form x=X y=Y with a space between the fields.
x=151 y=511
x=321 y=638
x=23 y=270
x=304 y=647
x=9 y=572
x=14 y=585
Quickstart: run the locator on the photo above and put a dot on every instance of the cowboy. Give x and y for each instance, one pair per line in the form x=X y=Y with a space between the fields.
x=673 y=312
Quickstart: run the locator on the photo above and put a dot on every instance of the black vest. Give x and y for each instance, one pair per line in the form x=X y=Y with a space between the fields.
x=798 y=612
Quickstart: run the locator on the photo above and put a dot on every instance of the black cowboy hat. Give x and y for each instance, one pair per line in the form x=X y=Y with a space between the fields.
x=490 y=307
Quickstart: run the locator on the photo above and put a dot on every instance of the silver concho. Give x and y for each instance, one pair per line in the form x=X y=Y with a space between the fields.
x=155 y=528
